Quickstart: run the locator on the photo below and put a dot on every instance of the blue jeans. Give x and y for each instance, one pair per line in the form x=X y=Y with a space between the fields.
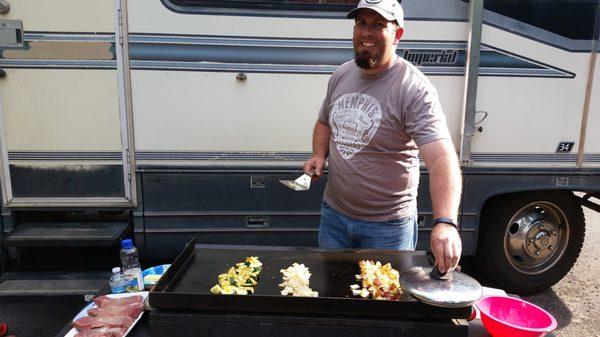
x=338 y=231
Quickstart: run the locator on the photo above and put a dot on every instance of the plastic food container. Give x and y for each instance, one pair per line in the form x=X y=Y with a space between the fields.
x=153 y=274
x=507 y=316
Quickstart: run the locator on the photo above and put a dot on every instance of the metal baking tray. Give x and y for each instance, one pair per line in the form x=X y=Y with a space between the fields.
x=186 y=285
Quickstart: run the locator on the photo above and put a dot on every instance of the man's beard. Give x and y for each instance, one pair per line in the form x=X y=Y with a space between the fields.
x=366 y=60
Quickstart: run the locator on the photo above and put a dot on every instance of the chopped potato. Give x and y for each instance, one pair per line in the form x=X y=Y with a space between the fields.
x=377 y=281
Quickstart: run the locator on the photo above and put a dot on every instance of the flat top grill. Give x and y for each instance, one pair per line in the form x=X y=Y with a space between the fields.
x=187 y=284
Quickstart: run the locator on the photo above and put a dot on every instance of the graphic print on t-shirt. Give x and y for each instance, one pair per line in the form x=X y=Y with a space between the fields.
x=354 y=120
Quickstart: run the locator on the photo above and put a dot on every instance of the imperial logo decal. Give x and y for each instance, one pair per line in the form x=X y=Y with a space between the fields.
x=431 y=57
x=450 y=58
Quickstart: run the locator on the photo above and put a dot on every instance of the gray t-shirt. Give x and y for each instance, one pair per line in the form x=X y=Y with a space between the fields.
x=376 y=124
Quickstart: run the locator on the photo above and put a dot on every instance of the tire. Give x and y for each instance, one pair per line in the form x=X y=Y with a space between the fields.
x=529 y=241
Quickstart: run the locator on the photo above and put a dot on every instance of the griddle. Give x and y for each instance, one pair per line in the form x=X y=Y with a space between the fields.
x=187 y=324
x=186 y=285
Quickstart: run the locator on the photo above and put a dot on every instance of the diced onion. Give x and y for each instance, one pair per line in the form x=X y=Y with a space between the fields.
x=296 y=279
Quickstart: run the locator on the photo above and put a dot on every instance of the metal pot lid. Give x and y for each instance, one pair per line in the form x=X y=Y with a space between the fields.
x=456 y=290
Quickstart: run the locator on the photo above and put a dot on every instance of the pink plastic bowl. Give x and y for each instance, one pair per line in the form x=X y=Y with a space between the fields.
x=507 y=317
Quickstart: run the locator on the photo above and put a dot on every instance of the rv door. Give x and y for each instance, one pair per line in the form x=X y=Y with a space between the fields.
x=63 y=117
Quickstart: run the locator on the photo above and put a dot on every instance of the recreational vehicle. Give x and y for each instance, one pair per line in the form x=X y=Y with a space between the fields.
x=172 y=119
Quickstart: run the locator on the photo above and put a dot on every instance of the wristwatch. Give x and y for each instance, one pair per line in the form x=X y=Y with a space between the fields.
x=446 y=221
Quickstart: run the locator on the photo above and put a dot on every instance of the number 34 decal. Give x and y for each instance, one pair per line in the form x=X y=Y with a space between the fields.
x=565 y=147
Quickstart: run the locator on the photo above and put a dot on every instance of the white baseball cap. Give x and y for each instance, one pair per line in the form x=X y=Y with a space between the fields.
x=389 y=9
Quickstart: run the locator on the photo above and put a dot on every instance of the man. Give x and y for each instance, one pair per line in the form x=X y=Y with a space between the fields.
x=379 y=112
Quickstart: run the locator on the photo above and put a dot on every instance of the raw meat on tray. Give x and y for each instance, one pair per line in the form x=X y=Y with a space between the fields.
x=85 y=323
x=132 y=310
x=110 y=318
x=102 y=332
x=105 y=301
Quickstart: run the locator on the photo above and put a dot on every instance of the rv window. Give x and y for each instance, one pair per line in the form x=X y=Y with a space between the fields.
x=313 y=5
x=570 y=18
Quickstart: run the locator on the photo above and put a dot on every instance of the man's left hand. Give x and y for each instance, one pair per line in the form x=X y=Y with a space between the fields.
x=445 y=246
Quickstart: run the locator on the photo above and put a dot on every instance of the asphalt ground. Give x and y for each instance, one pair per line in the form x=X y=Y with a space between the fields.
x=574 y=300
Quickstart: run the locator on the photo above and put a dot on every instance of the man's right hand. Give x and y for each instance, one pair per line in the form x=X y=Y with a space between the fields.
x=314 y=166
x=446 y=247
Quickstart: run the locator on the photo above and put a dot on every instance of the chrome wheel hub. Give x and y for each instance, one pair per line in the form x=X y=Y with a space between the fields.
x=536 y=237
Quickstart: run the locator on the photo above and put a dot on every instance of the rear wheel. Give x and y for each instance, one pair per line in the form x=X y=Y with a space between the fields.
x=529 y=241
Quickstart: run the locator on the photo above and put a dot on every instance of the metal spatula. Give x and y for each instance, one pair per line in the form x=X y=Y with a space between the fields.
x=300 y=184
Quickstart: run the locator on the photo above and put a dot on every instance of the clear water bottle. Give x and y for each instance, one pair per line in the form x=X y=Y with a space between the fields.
x=131 y=267
x=117 y=281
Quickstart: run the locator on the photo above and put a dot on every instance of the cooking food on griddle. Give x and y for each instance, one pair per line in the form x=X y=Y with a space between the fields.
x=239 y=280
x=380 y=282
x=296 y=281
